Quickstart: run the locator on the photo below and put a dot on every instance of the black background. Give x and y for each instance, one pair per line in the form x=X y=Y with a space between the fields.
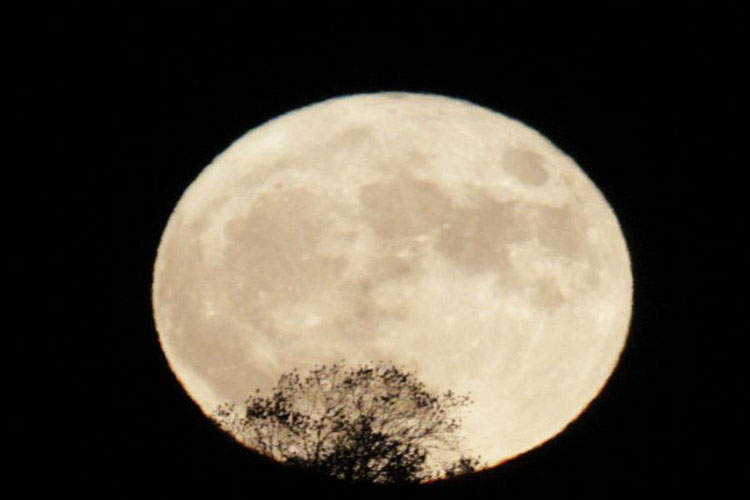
x=131 y=101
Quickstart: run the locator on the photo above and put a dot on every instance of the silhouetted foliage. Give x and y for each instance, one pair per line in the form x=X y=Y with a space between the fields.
x=371 y=423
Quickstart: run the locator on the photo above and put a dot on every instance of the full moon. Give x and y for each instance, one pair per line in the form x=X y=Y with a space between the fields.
x=414 y=229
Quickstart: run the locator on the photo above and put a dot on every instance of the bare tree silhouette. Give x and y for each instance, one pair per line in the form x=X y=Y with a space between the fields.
x=372 y=423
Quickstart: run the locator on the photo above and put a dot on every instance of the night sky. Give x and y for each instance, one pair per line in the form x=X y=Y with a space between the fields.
x=130 y=102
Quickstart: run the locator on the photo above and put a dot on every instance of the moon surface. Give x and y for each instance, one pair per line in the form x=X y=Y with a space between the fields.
x=409 y=228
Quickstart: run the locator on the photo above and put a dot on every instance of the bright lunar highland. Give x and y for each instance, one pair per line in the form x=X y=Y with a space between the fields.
x=415 y=229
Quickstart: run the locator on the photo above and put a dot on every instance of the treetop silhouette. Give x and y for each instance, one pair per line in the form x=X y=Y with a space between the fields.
x=372 y=423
